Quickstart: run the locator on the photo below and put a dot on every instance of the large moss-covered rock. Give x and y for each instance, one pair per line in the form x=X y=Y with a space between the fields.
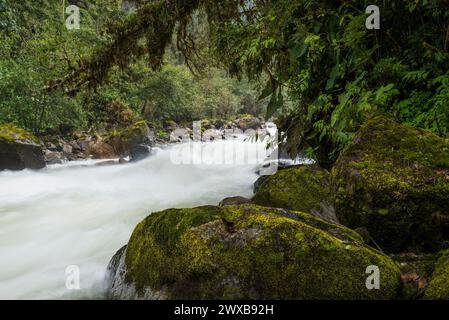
x=394 y=181
x=303 y=188
x=439 y=285
x=247 y=252
x=19 y=149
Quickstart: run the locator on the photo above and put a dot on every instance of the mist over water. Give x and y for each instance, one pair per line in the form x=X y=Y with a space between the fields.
x=81 y=214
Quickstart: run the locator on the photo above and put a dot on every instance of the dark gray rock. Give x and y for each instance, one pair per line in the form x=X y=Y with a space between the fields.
x=231 y=201
x=21 y=155
x=139 y=152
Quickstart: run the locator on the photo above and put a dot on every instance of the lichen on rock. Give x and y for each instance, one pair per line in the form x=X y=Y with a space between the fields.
x=125 y=139
x=250 y=252
x=394 y=181
x=303 y=188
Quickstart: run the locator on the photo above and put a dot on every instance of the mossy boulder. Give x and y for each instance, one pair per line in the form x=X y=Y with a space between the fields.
x=19 y=149
x=246 y=252
x=303 y=188
x=246 y=122
x=123 y=141
x=394 y=181
x=439 y=285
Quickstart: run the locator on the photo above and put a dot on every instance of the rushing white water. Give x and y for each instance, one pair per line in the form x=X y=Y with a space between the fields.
x=81 y=215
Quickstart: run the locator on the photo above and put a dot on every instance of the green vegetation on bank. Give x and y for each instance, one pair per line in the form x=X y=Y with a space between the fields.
x=325 y=72
x=36 y=48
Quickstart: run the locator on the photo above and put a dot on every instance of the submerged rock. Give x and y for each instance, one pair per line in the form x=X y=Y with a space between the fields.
x=19 y=149
x=246 y=252
x=303 y=188
x=394 y=181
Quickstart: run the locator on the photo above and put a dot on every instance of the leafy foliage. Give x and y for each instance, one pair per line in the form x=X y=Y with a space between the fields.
x=36 y=48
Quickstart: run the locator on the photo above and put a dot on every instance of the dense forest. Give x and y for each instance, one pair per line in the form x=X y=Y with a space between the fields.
x=37 y=48
x=320 y=71
x=362 y=111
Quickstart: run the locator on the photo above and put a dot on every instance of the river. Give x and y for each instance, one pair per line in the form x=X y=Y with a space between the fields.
x=80 y=213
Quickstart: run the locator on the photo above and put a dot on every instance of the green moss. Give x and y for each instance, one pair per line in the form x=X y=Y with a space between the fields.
x=301 y=188
x=253 y=252
x=122 y=139
x=439 y=285
x=137 y=129
x=10 y=133
x=394 y=180
x=162 y=134
x=154 y=241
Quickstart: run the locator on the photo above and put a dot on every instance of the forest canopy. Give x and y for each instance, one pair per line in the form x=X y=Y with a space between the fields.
x=324 y=72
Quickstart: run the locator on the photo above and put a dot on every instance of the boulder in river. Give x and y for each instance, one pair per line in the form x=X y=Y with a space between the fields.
x=246 y=252
x=139 y=152
x=19 y=149
x=102 y=150
x=303 y=188
x=394 y=181
x=248 y=122
x=124 y=140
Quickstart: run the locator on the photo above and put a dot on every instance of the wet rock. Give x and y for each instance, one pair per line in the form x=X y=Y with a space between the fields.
x=139 y=152
x=19 y=149
x=54 y=157
x=102 y=150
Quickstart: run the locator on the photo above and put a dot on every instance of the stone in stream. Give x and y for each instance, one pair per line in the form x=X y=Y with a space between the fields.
x=131 y=141
x=246 y=252
x=54 y=157
x=19 y=149
x=139 y=152
x=102 y=150
x=394 y=180
x=248 y=122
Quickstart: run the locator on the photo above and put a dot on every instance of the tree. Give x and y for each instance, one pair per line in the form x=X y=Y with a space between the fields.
x=319 y=54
